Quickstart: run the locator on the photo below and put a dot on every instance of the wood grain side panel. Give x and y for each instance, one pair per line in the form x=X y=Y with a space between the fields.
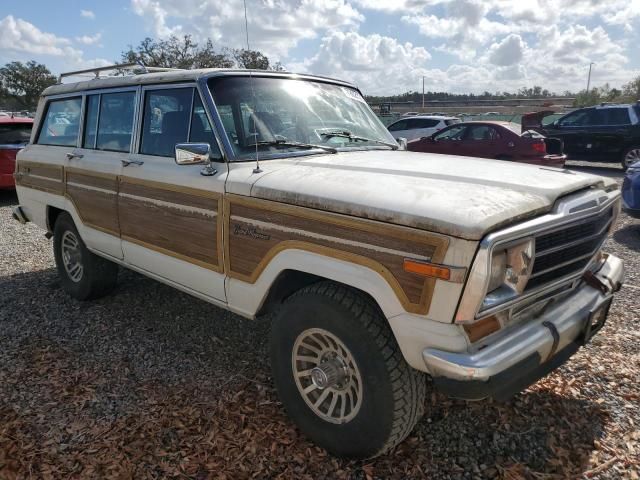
x=105 y=182
x=259 y=230
x=55 y=172
x=40 y=176
x=181 y=198
x=182 y=225
x=96 y=209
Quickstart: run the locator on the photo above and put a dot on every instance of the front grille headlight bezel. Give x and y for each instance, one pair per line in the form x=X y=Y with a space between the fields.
x=567 y=210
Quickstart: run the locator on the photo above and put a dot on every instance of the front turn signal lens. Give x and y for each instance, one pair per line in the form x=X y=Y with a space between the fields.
x=426 y=269
x=482 y=328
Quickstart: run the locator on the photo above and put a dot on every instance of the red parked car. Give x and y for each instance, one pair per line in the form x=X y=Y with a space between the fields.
x=499 y=140
x=14 y=135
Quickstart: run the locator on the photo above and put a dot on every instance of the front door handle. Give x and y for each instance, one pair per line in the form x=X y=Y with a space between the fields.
x=126 y=163
x=71 y=155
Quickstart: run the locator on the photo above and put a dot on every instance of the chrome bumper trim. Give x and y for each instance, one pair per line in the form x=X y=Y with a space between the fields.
x=514 y=344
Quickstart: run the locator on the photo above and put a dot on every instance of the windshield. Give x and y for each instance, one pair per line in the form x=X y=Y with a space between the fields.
x=15 y=134
x=277 y=113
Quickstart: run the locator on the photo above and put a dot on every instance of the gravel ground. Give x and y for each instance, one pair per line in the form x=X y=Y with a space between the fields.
x=151 y=383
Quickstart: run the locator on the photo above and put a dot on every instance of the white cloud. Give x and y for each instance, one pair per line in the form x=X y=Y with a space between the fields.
x=507 y=52
x=89 y=39
x=275 y=26
x=18 y=35
x=88 y=14
x=374 y=62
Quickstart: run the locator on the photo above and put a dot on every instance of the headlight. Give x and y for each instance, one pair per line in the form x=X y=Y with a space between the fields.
x=510 y=271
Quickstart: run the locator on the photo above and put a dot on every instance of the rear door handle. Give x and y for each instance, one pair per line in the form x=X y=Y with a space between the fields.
x=71 y=155
x=126 y=163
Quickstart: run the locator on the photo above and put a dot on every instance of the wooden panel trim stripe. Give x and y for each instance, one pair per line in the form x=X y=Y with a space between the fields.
x=437 y=243
x=45 y=177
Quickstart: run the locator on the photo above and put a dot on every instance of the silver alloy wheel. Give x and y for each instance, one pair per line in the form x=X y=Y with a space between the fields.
x=327 y=375
x=632 y=157
x=72 y=256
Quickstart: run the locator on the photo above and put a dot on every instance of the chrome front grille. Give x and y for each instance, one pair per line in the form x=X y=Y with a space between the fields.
x=567 y=250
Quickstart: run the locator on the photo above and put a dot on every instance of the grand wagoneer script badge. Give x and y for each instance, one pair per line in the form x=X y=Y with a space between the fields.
x=250 y=232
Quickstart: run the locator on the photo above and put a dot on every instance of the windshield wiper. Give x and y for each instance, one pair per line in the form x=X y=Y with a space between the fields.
x=351 y=136
x=286 y=143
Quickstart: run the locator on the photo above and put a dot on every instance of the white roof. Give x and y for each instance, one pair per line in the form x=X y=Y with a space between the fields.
x=174 y=76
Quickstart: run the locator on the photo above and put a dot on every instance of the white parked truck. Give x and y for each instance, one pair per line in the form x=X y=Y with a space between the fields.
x=379 y=266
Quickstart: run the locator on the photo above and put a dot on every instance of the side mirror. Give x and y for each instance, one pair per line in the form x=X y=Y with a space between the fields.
x=402 y=142
x=195 y=154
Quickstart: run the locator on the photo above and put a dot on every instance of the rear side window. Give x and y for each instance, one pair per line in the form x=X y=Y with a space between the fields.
x=415 y=123
x=452 y=121
x=61 y=123
x=174 y=116
x=15 y=133
x=115 y=121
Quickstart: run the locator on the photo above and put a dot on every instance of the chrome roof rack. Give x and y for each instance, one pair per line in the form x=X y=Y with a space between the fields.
x=139 y=66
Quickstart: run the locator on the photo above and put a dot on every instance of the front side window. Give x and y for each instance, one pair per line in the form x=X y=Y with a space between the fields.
x=115 y=122
x=575 y=119
x=400 y=125
x=453 y=133
x=276 y=113
x=15 y=133
x=173 y=116
x=61 y=122
x=482 y=132
x=416 y=123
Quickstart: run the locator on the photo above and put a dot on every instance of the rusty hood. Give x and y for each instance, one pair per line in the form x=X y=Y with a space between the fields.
x=460 y=196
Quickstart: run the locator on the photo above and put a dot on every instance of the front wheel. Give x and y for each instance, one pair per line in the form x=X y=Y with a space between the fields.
x=84 y=275
x=340 y=373
x=630 y=156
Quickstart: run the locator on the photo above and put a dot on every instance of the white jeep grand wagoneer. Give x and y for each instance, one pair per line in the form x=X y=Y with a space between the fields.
x=380 y=266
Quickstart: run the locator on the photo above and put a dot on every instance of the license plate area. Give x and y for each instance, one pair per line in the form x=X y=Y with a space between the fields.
x=596 y=320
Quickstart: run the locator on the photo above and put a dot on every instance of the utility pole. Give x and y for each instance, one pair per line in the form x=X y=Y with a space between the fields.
x=423 y=94
x=589 y=77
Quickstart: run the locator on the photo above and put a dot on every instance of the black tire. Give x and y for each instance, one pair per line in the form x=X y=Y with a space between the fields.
x=393 y=394
x=624 y=161
x=98 y=276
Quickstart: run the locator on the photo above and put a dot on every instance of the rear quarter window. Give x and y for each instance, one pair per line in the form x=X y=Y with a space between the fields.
x=61 y=123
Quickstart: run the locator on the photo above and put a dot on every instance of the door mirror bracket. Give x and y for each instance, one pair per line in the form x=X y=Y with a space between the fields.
x=195 y=154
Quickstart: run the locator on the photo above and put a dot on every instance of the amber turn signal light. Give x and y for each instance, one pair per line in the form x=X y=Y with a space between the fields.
x=482 y=328
x=426 y=269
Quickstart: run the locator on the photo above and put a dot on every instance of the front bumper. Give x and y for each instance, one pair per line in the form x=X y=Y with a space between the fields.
x=522 y=354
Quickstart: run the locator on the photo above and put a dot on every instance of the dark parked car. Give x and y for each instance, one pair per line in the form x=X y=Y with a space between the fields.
x=604 y=132
x=631 y=191
x=14 y=135
x=499 y=140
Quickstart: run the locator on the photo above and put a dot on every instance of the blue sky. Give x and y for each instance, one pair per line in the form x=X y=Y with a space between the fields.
x=385 y=46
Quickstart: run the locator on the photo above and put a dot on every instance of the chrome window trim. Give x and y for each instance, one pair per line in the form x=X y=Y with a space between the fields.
x=567 y=210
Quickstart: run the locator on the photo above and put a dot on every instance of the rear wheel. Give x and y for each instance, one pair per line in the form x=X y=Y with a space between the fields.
x=84 y=275
x=630 y=156
x=340 y=374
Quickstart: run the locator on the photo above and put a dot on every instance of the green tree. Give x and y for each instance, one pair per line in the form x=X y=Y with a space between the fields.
x=22 y=83
x=632 y=89
x=177 y=52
